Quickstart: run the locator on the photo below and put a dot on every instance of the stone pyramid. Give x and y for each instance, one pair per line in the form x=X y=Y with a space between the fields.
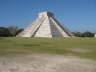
x=45 y=26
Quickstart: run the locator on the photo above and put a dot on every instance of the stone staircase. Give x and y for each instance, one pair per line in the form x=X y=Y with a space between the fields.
x=31 y=29
x=65 y=29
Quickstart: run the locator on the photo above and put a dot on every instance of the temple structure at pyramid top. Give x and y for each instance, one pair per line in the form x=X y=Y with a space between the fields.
x=45 y=26
x=45 y=14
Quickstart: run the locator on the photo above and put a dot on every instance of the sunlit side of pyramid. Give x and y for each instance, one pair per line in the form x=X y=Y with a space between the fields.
x=45 y=26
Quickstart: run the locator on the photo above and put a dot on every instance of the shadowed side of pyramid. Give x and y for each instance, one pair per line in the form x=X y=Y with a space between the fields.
x=45 y=26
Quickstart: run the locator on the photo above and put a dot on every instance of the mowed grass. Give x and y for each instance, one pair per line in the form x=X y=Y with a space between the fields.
x=82 y=47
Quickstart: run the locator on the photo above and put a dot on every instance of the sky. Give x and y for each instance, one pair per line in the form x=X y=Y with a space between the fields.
x=76 y=15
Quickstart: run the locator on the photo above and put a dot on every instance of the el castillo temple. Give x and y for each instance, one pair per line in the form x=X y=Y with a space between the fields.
x=45 y=26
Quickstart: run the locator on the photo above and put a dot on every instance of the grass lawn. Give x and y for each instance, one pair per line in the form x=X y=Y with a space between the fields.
x=83 y=47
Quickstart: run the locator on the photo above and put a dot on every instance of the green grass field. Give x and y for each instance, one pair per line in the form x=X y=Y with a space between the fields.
x=83 y=47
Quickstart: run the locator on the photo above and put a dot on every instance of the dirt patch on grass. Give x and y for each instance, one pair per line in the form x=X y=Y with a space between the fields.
x=46 y=63
x=79 y=50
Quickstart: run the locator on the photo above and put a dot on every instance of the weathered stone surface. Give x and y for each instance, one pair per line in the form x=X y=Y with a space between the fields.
x=45 y=26
x=95 y=35
x=46 y=63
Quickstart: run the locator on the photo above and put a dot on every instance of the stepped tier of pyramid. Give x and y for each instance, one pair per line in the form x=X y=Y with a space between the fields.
x=45 y=26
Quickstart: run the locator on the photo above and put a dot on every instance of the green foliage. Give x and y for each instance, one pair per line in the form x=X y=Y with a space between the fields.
x=84 y=34
x=9 y=31
x=88 y=34
x=4 y=32
x=14 y=30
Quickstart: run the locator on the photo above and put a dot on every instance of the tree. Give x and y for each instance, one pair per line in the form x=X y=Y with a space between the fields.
x=83 y=34
x=88 y=34
x=14 y=30
x=9 y=31
x=19 y=30
x=77 y=34
x=4 y=32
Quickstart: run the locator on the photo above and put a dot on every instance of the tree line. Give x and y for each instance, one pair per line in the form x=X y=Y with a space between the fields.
x=11 y=31
x=84 y=34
